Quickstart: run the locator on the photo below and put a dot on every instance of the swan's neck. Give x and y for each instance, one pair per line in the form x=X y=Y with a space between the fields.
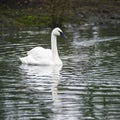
x=54 y=46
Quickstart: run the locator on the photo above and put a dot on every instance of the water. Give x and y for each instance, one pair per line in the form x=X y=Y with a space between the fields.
x=87 y=87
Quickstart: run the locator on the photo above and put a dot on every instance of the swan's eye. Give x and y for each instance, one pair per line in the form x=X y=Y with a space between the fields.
x=62 y=34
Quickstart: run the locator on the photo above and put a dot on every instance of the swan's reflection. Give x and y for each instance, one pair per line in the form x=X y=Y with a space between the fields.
x=41 y=70
x=38 y=77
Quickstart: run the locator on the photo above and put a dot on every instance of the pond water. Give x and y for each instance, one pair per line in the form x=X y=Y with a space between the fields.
x=87 y=87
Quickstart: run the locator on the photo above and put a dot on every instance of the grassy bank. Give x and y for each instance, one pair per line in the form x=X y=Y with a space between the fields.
x=18 y=18
x=58 y=13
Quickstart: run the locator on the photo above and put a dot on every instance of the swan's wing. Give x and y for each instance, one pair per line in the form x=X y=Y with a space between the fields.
x=39 y=54
x=35 y=50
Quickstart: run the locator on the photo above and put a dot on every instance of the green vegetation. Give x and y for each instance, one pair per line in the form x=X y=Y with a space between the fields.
x=31 y=20
x=22 y=13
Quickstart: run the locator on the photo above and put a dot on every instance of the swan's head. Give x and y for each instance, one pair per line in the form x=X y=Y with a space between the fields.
x=57 y=32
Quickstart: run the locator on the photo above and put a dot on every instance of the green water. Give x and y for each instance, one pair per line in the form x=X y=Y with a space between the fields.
x=87 y=87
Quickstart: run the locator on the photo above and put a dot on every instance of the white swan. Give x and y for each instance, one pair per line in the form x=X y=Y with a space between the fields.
x=41 y=56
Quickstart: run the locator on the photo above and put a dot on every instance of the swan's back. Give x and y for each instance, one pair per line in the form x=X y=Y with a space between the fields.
x=38 y=55
x=40 y=52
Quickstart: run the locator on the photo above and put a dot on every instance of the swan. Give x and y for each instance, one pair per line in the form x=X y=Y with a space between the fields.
x=42 y=56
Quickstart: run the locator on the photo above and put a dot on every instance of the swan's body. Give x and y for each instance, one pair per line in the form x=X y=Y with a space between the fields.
x=41 y=56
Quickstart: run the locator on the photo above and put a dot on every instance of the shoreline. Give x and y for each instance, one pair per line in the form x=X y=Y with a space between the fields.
x=96 y=14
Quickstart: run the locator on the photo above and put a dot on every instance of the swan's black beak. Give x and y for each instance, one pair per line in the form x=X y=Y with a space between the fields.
x=63 y=35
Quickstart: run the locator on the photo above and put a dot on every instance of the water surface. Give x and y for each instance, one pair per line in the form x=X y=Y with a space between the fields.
x=87 y=87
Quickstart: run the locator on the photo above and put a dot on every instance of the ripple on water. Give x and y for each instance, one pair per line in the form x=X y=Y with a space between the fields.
x=87 y=87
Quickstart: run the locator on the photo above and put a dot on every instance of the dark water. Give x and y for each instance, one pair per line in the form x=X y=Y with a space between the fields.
x=87 y=87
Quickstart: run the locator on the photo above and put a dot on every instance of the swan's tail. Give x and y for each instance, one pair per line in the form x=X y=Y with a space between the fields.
x=23 y=60
x=28 y=60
